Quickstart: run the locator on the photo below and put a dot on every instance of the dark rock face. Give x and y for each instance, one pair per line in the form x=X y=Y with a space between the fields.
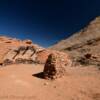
x=54 y=68
x=7 y=62
x=88 y=59
x=24 y=61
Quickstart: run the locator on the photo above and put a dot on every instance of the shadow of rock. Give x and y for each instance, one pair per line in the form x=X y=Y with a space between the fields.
x=39 y=75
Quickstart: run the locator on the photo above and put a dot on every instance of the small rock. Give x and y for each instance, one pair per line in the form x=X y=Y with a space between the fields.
x=46 y=83
x=55 y=87
x=28 y=41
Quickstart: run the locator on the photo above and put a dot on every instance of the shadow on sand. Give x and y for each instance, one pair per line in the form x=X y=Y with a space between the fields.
x=39 y=75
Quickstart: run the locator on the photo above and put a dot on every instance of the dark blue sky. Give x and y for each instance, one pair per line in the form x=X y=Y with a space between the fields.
x=45 y=21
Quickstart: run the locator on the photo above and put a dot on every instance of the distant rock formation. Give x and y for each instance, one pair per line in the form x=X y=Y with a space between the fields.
x=86 y=41
x=22 y=54
x=14 y=51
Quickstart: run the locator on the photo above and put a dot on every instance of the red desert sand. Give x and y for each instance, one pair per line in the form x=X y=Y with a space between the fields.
x=26 y=82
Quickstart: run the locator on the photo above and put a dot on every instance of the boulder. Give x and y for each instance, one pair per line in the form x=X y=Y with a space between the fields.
x=54 y=68
x=27 y=41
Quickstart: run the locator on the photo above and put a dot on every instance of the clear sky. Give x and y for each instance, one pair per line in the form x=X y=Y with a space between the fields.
x=45 y=21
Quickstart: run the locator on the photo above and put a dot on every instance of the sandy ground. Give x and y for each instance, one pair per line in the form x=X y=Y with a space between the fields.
x=25 y=82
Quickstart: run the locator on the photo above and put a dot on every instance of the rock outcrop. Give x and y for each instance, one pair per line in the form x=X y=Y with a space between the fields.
x=86 y=41
x=17 y=51
x=14 y=51
x=31 y=54
x=22 y=54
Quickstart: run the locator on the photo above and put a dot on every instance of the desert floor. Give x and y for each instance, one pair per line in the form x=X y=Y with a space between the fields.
x=25 y=82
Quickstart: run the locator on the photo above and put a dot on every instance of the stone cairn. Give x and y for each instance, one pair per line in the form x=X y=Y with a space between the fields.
x=54 y=68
